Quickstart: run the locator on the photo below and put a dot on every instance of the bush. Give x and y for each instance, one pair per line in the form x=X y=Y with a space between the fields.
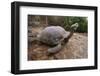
x=82 y=21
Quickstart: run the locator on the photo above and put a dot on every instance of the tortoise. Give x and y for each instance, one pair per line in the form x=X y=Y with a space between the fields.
x=55 y=36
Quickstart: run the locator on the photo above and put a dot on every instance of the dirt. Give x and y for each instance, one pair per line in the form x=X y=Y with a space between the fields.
x=75 y=48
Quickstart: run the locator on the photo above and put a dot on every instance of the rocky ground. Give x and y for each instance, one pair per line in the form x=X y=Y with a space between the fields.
x=76 y=48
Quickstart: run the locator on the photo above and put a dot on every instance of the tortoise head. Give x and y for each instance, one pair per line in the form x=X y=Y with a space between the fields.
x=74 y=27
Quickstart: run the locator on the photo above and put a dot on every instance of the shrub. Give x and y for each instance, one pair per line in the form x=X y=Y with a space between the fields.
x=82 y=21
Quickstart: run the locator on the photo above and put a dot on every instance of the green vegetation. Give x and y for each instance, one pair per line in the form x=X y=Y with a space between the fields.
x=67 y=21
x=64 y=21
x=82 y=21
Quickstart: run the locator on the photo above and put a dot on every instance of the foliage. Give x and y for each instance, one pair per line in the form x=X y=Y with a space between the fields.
x=64 y=21
x=82 y=21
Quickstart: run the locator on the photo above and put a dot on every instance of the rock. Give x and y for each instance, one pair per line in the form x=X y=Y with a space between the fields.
x=76 y=48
